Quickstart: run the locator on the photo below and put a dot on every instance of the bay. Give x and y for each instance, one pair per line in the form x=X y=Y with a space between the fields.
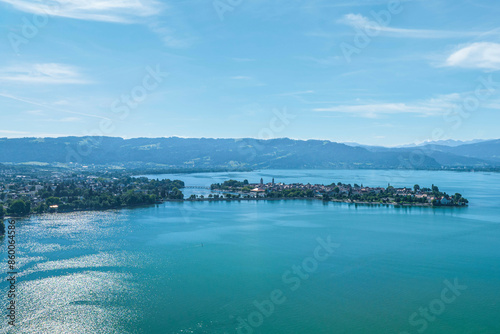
x=202 y=267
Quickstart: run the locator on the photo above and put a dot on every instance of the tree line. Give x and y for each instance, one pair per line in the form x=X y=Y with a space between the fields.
x=98 y=194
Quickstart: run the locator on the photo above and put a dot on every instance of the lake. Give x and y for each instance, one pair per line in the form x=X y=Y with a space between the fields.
x=300 y=266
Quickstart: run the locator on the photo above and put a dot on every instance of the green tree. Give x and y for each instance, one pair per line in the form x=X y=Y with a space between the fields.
x=176 y=194
x=19 y=208
x=41 y=208
x=53 y=201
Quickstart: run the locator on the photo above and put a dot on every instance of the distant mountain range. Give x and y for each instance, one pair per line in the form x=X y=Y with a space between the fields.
x=449 y=142
x=246 y=153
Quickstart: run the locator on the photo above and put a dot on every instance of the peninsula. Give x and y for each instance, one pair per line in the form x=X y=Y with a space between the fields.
x=41 y=190
x=340 y=192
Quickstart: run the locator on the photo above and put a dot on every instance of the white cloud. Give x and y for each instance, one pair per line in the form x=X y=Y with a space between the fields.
x=328 y=61
x=70 y=119
x=49 y=73
x=241 y=77
x=115 y=11
x=120 y=11
x=36 y=112
x=297 y=93
x=493 y=105
x=171 y=37
x=377 y=109
x=363 y=23
x=431 y=107
x=482 y=55
x=24 y=134
x=11 y=132
x=46 y=106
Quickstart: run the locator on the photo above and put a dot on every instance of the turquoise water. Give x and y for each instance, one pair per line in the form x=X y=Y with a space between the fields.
x=201 y=267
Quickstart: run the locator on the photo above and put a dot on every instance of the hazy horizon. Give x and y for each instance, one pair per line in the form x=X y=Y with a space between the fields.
x=298 y=139
x=373 y=72
x=250 y=166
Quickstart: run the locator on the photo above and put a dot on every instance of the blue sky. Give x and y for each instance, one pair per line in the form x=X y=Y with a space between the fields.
x=372 y=72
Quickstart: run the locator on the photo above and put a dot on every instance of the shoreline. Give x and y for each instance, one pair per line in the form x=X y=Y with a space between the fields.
x=314 y=199
x=460 y=170
x=394 y=204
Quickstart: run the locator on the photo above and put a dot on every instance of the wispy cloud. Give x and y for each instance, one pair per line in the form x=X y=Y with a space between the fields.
x=493 y=105
x=12 y=132
x=297 y=93
x=482 y=55
x=356 y=3
x=171 y=38
x=45 y=106
x=119 y=11
x=375 y=110
x=241 y=77
x=359 y=21
x=25 y=134
x=247 y=80
x=327 y=61
x=63 y=120
x=35 y=112
x=145 y=12
x=70 y=119
x=432 y=107
x=42 y=74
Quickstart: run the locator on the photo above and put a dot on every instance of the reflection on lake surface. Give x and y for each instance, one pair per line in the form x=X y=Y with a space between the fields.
x=202 y=267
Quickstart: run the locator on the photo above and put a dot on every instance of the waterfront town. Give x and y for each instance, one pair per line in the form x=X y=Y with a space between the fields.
x=340 y=192
x=34 y=190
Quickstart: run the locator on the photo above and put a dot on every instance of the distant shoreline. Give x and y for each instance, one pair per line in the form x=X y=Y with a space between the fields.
x=460 y=170
x=394 y=204
x=313 y=199
x=161 y=154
